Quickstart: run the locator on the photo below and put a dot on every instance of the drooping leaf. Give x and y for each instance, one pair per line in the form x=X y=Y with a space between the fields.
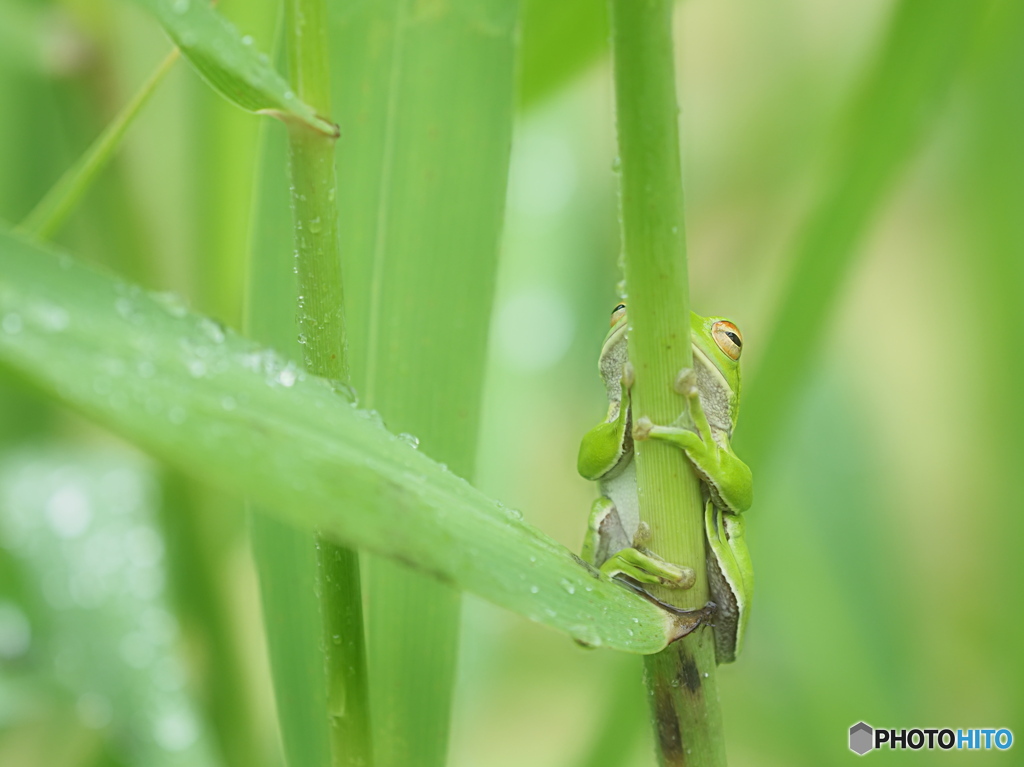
x=230 y=62
x=243 y=419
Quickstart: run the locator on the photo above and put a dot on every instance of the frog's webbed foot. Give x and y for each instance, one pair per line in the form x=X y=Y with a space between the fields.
x=684 y=620
x=644 y=567
x=687 y=621
x=687 y=439
x=686 y=383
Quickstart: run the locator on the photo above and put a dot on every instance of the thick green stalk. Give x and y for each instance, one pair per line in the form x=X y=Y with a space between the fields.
x=321 y=321
x=681 y=679
x=49 y=214
x=317 y=241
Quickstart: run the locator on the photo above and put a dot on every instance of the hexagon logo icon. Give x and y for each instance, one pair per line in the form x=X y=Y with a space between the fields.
x=861 y=738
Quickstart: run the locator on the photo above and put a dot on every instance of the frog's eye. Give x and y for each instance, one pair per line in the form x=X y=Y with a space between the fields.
x=728 y=338
x=617 y=314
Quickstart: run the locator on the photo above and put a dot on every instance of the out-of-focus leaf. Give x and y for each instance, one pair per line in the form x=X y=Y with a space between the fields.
x=886 y=121
x=231 y=63
x=991 y=189
x=21 y=30
x=84 y=526
x=559 y=40
x=240 y=417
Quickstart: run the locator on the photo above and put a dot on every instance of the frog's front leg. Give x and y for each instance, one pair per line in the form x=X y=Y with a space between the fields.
x=607 y=546
x=720 y=468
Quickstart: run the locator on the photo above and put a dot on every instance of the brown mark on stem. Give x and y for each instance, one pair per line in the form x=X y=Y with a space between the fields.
x=666 y=718
x=689 y=674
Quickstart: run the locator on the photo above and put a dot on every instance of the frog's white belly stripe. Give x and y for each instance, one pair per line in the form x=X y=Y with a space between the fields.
x=622 y=490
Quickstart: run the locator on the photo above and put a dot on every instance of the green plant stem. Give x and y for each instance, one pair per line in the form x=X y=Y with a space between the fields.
x=681 y=679
x=321 y=322
x=321 y=312
x=46 y=218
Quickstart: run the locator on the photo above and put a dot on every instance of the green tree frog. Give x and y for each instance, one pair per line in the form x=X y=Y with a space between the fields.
x=615 y=535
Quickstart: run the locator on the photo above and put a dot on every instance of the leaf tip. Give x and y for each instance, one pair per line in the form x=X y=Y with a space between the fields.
x=315 y=122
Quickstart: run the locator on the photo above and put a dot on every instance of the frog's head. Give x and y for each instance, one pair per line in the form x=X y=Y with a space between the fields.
x=614 y=354
x=717 y=344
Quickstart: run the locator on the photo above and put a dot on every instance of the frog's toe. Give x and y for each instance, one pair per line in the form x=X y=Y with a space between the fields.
x=676 y=577
x=643 y=534
x=686 y=383
x=642 y=428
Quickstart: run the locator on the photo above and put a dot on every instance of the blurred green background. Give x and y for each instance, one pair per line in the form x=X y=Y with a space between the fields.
x=887 y=526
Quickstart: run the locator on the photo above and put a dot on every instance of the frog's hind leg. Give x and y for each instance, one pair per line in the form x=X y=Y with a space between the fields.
x=645 y=567
x=605 y=534
x=730 y=579
x=609 y=547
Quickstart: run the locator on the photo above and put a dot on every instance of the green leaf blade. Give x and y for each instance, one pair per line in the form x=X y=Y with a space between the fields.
x=245 y=420
x=425 y=103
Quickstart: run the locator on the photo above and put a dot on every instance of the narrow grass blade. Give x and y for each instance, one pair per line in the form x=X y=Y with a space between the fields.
x=886 y=121
x=231 y=63
x=48 y=215
x=239 y=416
